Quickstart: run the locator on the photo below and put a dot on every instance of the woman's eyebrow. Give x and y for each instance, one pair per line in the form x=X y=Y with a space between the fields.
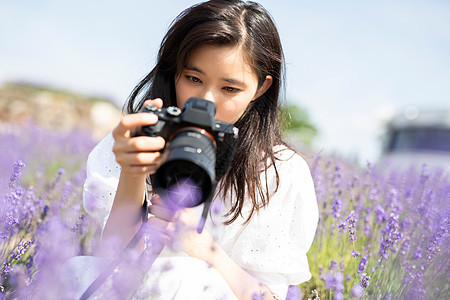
x=193 y=68
x=229 y=80
x=233 y=81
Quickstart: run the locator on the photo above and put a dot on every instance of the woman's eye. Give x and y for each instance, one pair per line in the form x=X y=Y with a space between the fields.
x=193 y=79
x=231 y=89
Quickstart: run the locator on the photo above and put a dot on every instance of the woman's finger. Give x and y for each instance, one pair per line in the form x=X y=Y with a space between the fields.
x=129 y=122
x=157 y=102
x=160 y=225
x=146 y=143
x=156 y=200
x=138 y=144
x=163 y=212
x=139 y=158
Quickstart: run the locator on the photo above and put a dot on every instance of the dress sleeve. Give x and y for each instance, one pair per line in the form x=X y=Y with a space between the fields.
x=102 y=178
x=274 y=243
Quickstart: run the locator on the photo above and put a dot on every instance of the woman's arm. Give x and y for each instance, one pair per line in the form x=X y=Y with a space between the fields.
x=125 y=216
x=137 y=156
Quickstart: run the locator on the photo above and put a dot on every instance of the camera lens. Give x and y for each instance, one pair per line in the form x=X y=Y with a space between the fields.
x=186 y=177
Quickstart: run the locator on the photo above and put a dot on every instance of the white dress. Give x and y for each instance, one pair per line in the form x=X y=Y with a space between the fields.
x=272 y=246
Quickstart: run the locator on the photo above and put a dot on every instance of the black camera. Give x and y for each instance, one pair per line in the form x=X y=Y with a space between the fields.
x=198 y=151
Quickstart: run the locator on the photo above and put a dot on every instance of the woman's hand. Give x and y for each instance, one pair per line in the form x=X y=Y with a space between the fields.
x=138 y=156
x=177 y=229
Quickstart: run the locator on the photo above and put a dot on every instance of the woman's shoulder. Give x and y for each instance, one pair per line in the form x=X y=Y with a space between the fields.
x=288 y=158
x=289 y=169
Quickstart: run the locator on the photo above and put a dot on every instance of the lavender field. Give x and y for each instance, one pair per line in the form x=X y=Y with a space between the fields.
x=382 y=234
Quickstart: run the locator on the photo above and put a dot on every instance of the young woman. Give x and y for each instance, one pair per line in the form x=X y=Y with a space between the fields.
x=265 y=211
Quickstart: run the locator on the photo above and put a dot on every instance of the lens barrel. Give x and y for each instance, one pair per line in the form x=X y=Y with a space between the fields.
x=188 y=172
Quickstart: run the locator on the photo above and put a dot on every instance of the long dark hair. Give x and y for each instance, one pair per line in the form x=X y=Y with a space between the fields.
x=228 y=23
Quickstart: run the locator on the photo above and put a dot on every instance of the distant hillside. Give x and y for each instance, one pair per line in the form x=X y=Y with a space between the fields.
x=24 y=103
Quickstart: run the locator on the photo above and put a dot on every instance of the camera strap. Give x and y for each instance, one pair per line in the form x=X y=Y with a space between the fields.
x=206 y=205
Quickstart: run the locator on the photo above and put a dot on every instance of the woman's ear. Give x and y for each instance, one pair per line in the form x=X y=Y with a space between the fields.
x=264 y=87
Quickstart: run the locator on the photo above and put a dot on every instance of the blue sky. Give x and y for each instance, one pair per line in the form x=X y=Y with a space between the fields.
x=351 y=64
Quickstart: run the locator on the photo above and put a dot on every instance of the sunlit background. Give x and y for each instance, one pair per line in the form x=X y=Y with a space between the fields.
x=351 y=64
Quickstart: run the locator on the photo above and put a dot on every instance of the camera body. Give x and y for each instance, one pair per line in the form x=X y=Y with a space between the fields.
x=198 y=151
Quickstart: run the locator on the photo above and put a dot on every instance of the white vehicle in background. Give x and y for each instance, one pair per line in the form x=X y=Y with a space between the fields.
x=416 y=138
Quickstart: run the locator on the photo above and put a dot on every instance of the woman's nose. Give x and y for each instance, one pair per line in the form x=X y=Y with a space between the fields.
x=209 y=95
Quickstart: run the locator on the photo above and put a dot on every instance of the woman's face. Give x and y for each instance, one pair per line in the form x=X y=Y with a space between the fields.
x=219 y=74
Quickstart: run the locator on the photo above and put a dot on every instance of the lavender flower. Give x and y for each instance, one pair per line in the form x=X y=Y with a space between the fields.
x=362 y=264
x=424 y=208
x=15 y=176
x=357 y=291
x=365 y=281
x=337 y=176
x=6 y=269
x=425 y=174
x=320 y=271
x=373 y=195
x=380 y=214
x=351 y=225
x=369 y=168
x=342 y=226
x=294 y=293
x=334 y=281
x=258 y=296
x=367 y=229
x=436 y=241
x=405 y=246
x=333 y=264
x=391 y=235
x=22 y=247
x=80 y=224
x=336 y=207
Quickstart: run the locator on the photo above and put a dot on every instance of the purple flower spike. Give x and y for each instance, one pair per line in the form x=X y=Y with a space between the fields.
x=351 y=225
x=357 y=291
x=425 y=174
x=294 y=293
x=15 y=176
x=336 y=208
x=365 y=281
x=362 y=264
x=334 y=281
x=342 y=226
x=391 y=234
x=258 y=296
x=332 y=265
x=380 y=215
